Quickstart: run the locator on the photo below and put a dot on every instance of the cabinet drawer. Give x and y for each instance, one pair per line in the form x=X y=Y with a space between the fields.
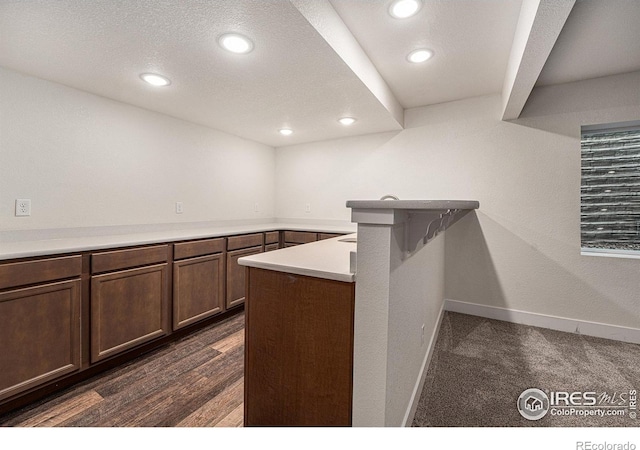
x=124 y=259
x=192 y=249
x=244 y=241
x=39 y=271
x=271 y=247
x=272 y=237
x=322 y=236
x=300 y=237
x=40 y=335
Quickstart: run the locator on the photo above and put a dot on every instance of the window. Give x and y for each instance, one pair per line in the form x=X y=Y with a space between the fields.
x=610 y=189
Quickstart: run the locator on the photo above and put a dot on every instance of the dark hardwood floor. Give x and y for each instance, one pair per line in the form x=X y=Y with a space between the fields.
x=194 y=382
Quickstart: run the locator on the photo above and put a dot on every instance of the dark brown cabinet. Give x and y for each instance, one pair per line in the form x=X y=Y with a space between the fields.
x=129 y=306
x=292 y=238
x=323 y=236
x=245 y=241
x=65 y=316
x=272 y=238
x=298 y=350
x=236 y=275
x=237 y=247
x=198 y=281
x=39 y=324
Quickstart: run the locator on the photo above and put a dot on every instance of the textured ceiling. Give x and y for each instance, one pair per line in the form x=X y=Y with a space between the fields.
x=471 y=40
x=293 y=78
x=313 y=62
x=600 y=38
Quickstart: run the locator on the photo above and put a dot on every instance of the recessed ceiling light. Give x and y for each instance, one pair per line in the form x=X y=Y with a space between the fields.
x=604 y=209
x=607 y=190
x=285 y=131
x=236 y=43
x=155 y=79
x=401 y=9
x=421 y=55
x=612 y=171
x=346 y=121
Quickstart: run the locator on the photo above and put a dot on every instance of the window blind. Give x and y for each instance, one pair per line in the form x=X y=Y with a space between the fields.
x=610 y=189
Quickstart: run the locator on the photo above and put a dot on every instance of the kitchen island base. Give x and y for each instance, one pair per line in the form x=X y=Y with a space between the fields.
x=299 y=350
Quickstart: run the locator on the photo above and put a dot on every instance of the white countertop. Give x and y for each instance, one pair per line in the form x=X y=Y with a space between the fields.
x=42 y=243
x=328 y=259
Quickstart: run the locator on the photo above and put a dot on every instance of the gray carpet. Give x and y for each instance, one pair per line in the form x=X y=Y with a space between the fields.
x=480 y=367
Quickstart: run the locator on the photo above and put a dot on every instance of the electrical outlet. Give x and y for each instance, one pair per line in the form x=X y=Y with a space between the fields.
x=256 y=207
x=307 y=207
x=23 y=207
x=179 y=209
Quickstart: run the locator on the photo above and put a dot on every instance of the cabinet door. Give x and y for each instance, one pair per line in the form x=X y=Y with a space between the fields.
x=271 y=247
x=40 y=335
x=198 y=289
x=236 y=275
x=128 y=308
x=298 y=350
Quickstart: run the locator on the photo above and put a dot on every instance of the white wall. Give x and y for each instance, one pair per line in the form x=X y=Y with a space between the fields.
x=416 y=297
x=396 y=296
x=326 y=174
x=522 y=248
x=84 y=160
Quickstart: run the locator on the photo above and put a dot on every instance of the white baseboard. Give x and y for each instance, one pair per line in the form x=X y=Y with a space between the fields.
x=417 y=390
x=601 y=330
